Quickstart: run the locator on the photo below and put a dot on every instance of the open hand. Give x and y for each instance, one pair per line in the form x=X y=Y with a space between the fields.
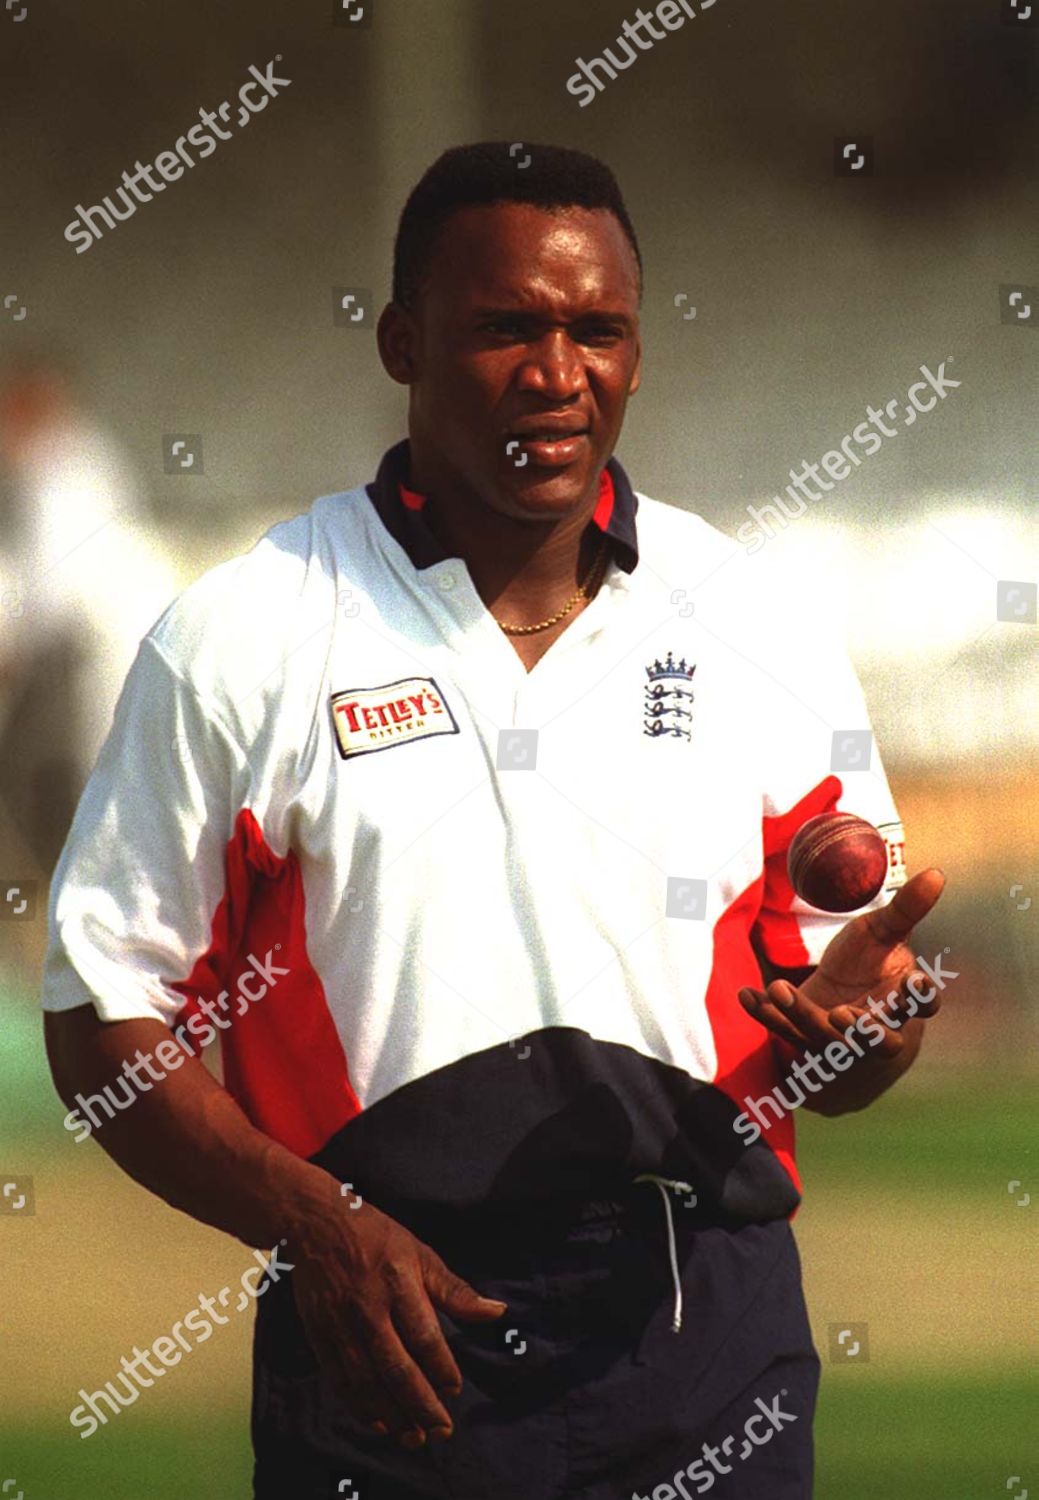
x=869 y=959
x=367 y=1298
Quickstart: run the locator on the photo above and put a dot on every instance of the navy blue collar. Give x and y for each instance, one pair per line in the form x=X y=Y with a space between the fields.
x=401 y=510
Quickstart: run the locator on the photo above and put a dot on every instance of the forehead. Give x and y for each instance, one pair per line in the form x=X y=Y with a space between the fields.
x=496 y=253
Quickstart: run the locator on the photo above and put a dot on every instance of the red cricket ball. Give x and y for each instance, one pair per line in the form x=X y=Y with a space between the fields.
x=837 y=862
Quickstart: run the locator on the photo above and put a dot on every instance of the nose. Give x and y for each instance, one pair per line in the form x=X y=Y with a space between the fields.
x=554 y=367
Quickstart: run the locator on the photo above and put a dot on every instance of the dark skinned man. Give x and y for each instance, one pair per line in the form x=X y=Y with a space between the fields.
x=503 y=827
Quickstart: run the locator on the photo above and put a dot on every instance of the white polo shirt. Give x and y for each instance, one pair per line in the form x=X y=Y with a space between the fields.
x=501 y=916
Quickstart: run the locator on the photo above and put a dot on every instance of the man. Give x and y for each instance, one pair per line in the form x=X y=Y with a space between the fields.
x=502 y=820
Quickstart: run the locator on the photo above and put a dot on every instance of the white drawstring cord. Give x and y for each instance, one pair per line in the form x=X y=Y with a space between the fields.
x=663 y=1183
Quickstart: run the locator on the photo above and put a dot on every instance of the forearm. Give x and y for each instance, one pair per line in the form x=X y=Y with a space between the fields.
x=187 y=1140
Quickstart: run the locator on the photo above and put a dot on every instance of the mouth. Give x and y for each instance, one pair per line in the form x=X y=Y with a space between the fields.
x=545 y=448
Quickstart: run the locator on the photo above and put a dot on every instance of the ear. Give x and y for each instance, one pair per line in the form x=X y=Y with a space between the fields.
x=397 y=338
x=636 y=378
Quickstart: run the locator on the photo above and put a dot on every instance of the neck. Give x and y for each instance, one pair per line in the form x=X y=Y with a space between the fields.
x=523 y=570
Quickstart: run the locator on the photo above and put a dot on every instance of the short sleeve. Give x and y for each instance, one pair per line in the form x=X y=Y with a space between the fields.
x=143 y=868
x=820 y=755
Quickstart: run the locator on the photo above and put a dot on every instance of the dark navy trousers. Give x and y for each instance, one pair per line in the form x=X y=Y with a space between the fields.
x=581 y=1390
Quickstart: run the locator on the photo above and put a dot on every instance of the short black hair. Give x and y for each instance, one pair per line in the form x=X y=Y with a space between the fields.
x=497 y=172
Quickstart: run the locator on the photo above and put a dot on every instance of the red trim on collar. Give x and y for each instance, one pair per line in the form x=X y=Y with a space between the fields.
x=411 y=498
x=604 y=505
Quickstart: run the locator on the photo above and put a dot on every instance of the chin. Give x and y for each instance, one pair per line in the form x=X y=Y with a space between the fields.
x=551 y=490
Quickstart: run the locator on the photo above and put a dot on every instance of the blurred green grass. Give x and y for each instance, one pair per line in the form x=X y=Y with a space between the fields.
x=937 y=1436
x=202 y=1455
x=932 y=1134
x=927 y=1438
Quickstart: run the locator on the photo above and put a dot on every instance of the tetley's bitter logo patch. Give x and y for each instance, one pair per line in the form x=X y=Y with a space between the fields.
x=376 y=718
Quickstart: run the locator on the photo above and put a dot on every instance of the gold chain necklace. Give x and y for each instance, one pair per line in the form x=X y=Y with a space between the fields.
x=586 y=591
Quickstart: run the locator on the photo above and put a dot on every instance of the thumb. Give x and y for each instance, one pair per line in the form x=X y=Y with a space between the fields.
x=455 y=1296
x=893 y=923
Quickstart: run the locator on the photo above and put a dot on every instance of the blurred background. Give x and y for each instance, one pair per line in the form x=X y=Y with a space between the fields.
x=206 y=319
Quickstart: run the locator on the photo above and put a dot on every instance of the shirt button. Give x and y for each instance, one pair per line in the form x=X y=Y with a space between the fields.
x=446 y=581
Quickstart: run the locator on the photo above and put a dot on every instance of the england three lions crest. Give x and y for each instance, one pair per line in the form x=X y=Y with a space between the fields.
x=668 y=708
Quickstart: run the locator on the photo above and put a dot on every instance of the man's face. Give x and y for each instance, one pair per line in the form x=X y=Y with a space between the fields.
x=523 y=350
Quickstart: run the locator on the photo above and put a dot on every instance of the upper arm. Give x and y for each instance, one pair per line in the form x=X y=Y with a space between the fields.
x=84 y=1052
x=143 y=869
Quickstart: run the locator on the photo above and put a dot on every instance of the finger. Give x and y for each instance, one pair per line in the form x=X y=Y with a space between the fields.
x=843 y=1016
x=455 y=1296
x=779 y=1026
x=366 y=1398
x=892 y=924
x=914 y=997
x=919 y=995
x=373 y=1405
x=352 y=1371
x=889 y=1040
x=886 y=1044
x=404 y=1381
x=811 y=1020
x=423 y=1337
x=762 y=1009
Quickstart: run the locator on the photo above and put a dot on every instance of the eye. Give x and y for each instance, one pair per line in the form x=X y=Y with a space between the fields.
x=506 y=327
x=599 y=333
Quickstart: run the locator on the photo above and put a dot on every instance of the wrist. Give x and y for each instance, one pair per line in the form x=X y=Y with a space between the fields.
x=304 y=1204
